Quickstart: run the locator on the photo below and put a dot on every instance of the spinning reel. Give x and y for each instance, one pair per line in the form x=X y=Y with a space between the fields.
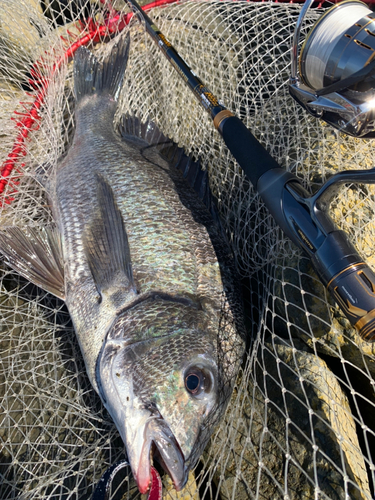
x=334 y=79
x=334 y=76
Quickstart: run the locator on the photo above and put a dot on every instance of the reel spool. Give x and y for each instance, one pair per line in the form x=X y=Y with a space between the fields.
x=336 y=68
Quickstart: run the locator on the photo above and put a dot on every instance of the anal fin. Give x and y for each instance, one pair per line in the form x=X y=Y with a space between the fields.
x=107 y=248
x=36 y=255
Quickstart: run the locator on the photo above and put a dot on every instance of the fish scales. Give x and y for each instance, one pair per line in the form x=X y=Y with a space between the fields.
x=170 y=251
x=148 y=279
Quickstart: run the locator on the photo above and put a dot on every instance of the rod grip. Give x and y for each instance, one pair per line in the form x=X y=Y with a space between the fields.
x=252 y=157
x=350 y=281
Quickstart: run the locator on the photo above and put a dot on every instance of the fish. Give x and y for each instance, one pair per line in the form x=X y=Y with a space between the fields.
x=139 y=256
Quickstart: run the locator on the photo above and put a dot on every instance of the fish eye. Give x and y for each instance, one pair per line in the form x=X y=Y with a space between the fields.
x=197 y=381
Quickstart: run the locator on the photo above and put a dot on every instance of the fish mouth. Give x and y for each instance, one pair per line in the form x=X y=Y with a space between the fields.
x=160 y=443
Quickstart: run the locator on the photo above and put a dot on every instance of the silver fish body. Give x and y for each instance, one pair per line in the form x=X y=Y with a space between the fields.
x=148 y=281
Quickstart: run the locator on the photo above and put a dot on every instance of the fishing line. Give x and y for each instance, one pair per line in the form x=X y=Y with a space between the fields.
x=325 y=35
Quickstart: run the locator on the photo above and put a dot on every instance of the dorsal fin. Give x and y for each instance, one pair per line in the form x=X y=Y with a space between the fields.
x=148 y=137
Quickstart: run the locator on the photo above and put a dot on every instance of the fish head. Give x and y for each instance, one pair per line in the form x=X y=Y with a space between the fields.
x=160 y=378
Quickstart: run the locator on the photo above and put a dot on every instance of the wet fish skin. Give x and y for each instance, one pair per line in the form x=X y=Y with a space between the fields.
x=148 y=280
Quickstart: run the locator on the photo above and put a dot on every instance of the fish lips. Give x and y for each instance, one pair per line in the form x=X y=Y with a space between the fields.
x=159 y=440
x=142 y=428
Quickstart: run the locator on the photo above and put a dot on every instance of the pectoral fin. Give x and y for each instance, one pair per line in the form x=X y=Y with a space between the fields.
x=107 y=247
x=36 y=255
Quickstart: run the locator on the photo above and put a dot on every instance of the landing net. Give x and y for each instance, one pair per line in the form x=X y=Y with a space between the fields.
x=301 y=421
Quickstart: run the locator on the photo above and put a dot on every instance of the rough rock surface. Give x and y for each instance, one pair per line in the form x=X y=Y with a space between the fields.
x=190 y=492
x=46 y=403
x=304 y=313
x=292 y=429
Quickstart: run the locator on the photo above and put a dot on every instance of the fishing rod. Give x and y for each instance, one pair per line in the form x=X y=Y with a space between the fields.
x=303 y=218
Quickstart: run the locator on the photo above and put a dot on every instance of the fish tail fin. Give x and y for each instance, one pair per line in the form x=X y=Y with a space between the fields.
x=93 y=77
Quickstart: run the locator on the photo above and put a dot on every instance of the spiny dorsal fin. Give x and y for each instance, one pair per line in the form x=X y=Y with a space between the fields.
x=91 y=76
x=36 y=255
x=150 y=139
x=106 y=245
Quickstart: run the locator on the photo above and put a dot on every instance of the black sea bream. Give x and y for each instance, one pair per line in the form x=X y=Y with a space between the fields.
x=146 y=275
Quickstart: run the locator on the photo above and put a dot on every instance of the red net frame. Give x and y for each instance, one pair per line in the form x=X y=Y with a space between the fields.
x=90 y=32
x=28 y=120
